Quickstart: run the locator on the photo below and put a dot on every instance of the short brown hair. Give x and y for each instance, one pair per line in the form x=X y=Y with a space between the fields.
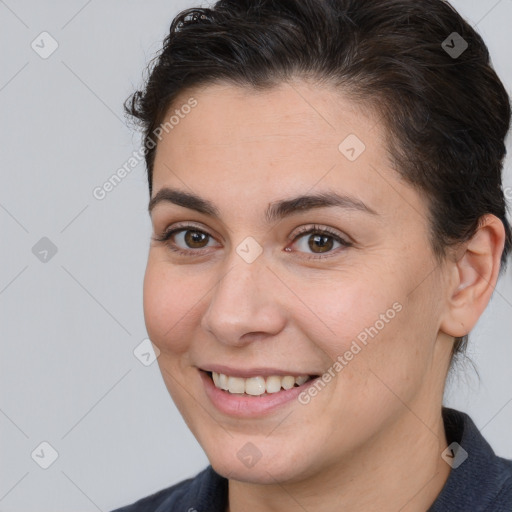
x=447 y=115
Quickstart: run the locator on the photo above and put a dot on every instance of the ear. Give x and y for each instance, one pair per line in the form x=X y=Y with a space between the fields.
x=473 y=277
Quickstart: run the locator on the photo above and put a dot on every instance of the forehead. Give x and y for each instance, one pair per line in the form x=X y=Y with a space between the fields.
x=238 y=142
x=288 y=113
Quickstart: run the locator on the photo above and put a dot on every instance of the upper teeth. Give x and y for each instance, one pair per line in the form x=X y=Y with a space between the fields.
x=256 y=385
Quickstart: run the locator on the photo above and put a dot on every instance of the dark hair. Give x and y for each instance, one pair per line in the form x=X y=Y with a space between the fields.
x=447 y=115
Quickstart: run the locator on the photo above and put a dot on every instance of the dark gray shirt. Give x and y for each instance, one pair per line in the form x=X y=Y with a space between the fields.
x=481 y=483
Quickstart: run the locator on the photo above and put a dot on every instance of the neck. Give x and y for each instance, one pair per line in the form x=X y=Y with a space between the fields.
x=402 y=470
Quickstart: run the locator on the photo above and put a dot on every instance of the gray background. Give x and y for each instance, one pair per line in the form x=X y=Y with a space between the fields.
x=69 y=325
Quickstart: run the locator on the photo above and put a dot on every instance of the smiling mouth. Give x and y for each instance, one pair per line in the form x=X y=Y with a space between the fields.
x=258 y=385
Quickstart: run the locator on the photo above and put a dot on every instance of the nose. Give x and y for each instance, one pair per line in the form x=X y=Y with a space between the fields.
x=244 y=305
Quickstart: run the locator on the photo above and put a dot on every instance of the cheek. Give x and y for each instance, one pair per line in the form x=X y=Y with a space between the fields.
x=336 y=313
x=169 y=300
x=365 y=324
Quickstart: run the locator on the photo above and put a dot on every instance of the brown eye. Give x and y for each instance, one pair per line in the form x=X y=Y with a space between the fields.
x=185 y=240
x=317 y=241
x=323 y=243
x=195 y=239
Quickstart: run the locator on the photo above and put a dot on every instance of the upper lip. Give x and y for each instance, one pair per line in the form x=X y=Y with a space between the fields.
x=252 y=372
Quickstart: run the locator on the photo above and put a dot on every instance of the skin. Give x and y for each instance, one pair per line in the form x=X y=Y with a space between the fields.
x=372 y=438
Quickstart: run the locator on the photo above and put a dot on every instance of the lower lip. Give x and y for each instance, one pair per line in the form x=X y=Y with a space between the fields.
x=246 y=406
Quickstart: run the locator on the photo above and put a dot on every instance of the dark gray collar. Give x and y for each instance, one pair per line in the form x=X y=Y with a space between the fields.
x=483 y=482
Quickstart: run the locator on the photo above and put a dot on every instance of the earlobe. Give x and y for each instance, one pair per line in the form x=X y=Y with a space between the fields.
x=475 y=274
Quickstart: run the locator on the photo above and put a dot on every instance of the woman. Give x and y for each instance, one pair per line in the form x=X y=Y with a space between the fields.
x=329 y=225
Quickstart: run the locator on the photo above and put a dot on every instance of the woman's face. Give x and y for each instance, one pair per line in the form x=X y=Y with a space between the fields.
x=255 y=293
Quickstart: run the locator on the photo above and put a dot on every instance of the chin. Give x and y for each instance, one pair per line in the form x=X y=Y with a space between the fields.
x=260 y=473
x=258 y=466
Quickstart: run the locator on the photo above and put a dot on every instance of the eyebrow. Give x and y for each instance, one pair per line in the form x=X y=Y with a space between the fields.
x=276 y=210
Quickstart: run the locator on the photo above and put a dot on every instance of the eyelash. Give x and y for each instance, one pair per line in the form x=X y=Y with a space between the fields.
x=315 y=229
